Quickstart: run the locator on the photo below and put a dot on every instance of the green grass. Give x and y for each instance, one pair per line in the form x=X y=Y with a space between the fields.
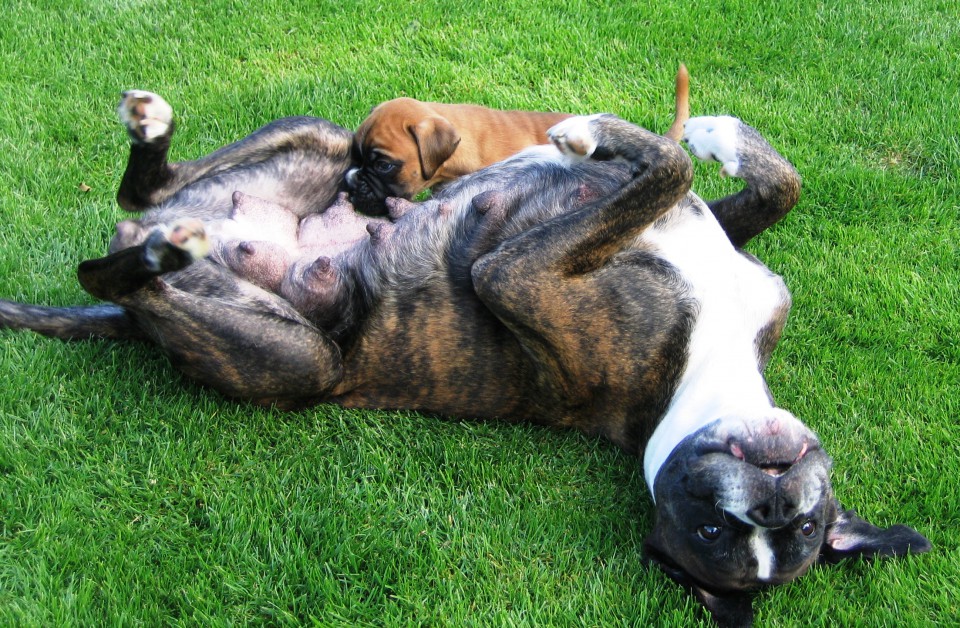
x=130 y=496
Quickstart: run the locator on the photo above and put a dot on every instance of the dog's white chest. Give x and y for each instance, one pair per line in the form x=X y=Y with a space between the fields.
x=735 y=298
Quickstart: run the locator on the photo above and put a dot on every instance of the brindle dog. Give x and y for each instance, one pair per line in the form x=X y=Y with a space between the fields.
x=582 y=285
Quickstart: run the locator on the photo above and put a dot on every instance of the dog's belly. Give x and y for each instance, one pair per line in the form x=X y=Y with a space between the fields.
x=618 y=357
x=736 y=299
x=458 y=362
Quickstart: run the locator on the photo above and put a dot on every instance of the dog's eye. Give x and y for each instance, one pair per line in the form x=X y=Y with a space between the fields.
x=383 y=166
x=808 y=528
x=709 y=533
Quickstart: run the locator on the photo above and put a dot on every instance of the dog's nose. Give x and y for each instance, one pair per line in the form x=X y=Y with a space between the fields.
x=772 y=516
x=777 y=510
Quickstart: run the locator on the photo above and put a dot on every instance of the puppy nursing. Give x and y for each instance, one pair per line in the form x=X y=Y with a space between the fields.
x=406 y=146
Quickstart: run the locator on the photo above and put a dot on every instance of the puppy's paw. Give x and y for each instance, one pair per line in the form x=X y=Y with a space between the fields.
x=715 y=138
x=574 y=136
x=146 y=115
x=175 y=247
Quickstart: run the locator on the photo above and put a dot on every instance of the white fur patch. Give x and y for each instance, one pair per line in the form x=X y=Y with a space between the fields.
x=158 y=114
x=541 y=153
x=573 y=136
x=196 y=244
x=736 y=299
x=714 y=138
x=766 y=561
x=351 y=176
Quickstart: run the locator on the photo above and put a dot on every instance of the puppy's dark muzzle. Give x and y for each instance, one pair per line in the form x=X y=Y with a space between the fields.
x=367 y=193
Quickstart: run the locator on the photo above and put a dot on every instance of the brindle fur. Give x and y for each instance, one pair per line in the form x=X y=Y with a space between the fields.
x=522 y=292
x=461 y=306
x=518 y=293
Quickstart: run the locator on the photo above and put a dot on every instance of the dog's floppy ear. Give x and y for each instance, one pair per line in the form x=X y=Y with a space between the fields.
x=730 y=609
x=851 y=536
x=436 y=140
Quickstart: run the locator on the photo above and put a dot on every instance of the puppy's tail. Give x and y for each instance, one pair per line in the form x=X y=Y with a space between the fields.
x=682 y=108
x=70 y=323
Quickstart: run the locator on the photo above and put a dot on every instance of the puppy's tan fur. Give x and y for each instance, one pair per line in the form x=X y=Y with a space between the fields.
x=433 y=143
x=437 y=142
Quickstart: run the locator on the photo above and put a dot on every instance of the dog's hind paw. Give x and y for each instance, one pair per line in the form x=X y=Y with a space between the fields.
x=574 y=136
x=715 y=138
x=175 y=247
x=146 y=115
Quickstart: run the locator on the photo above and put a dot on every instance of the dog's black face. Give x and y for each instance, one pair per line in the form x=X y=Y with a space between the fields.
x=743 y=504
x=375 y=178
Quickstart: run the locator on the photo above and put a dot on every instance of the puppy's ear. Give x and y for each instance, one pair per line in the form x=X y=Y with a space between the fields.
x=850 y=536
x=436 y=140
x=728 y=610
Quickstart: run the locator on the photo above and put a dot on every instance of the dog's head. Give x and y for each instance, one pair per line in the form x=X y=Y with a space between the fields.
x=399 y=150
x=743 y=504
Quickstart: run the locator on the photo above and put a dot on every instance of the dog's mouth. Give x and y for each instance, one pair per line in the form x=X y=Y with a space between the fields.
x=773 y=444
x=773 y=459
x=773 y=466
x=776 y=470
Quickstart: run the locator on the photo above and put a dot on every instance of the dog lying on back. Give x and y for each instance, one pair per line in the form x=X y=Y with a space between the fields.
x=406 y=146
x=579 y=285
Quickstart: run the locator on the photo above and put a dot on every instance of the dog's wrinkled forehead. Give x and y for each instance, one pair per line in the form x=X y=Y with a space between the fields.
x=388 y=125
x=365 y=143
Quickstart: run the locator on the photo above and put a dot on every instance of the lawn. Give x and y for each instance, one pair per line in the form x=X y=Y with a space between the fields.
x=130 y=496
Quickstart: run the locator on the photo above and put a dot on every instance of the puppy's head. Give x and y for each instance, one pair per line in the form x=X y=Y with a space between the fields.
x=743 y=504
x=399 y=150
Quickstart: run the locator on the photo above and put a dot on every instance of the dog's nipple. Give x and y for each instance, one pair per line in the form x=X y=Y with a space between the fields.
x=398 y=207
x=320 y=270
x=487 y=202
x=379 y=231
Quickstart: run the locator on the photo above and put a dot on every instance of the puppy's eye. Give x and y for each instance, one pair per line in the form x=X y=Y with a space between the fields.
x=709 y=533
x=383 y=166
x=808 y=528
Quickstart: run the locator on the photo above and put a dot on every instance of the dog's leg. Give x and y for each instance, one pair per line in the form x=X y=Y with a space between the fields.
x=554 y=278
x=219 y=330
x=773 y=185
x=151 y=179
x=586 y=239
x=149 y=122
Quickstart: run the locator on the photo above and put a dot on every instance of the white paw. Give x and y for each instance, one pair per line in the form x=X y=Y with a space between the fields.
x=715 y=138
x=190 y=236
x=146 y=115
x=187 y=235
x=573 y=136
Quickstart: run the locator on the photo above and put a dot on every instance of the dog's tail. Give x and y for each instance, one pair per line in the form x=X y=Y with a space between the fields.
x=70 y=323
x=682 y=109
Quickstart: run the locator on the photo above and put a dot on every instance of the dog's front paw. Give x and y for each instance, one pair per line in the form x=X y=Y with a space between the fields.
x=176 y=247
x=190 y=236
x=574 y=136
x=715 y=138
x=146 y=115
